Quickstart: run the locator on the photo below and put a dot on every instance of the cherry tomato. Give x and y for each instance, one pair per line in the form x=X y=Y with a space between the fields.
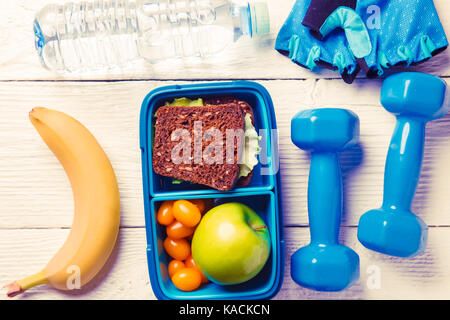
x=179 y=249
x=177 y=230
x=187 y=279
x=174 y=266
x=165 y=213
x=186 y=212
x=190 y=263
x=199 y=203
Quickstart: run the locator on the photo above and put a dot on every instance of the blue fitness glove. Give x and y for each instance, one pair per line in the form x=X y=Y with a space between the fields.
x=325 y=16
x=306 y=48
x=378 y=33
x=407 y=32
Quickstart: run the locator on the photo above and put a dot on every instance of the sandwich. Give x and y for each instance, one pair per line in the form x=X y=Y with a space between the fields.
x=192 y=142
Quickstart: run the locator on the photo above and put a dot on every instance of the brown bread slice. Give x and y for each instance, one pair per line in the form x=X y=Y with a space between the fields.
x=169 y=118
x=242 y=181
x=230 y=99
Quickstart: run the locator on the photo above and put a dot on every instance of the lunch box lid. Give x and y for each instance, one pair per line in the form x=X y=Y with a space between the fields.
x=146 y=116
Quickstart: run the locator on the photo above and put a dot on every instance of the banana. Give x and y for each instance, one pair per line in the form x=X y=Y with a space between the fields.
x=96 y=200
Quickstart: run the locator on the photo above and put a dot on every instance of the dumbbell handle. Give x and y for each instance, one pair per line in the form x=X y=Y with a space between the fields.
x=403 y=163
x=324 y=197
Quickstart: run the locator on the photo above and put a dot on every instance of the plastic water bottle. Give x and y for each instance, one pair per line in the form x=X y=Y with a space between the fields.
x=105 y=34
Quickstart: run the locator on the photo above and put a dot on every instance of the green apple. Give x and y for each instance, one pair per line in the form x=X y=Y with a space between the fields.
x=231 y=244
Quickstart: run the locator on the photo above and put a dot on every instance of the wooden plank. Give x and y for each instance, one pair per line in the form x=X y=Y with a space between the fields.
x=34 y=185
x=125 y=275
x=246 y=59
x=381 y=276
x=363 y=166
x=35 y=193
x=34 y=189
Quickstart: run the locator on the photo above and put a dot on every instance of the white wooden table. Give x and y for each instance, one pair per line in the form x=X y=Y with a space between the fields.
x=36 y=200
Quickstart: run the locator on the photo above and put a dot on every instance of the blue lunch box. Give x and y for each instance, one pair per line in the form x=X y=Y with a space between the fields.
x=263 y=194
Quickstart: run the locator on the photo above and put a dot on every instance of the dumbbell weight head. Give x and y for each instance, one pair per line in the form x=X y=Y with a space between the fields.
x=397 y=233
x=325 y=267
x=415 y=94
x=325 y=129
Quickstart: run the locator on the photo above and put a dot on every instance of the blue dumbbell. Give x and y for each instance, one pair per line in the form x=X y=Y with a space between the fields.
x=325 y=265
x=415 y=98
